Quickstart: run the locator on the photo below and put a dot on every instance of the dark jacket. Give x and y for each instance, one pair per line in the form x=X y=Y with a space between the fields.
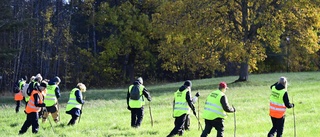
x=144 y=92
x=286 y=101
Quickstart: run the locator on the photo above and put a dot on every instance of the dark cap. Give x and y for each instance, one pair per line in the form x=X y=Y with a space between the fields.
x=188 y=83
x=43 y=84
x=223 y=85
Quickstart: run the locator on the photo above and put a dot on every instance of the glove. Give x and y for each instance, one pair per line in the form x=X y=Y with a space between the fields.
x=129 y=108
x=83 y=102
x=292 y=104
x=197 y=94
x=234 y=109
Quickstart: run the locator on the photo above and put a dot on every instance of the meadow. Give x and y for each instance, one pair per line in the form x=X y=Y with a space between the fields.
x=105 y=112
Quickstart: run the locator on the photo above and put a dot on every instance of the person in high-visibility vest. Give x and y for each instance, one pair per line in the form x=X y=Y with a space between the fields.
x=75 y=102
x=279 y=101
x=181 y=107
x=32 y=85
x=51 y=100
x=33 y=108
x=18 y=93
x=215 y=109
x=136 y=106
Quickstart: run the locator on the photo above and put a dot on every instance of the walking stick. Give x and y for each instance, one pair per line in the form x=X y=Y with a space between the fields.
x=198 y=113
x=81 y=109
x=294 y=121
x=199 y=122
x=45 y=109
x=150 y=114
x=235 y=123
x=58 y=110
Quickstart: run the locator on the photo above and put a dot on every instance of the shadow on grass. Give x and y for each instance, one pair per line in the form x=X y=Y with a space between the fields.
x=14 y=124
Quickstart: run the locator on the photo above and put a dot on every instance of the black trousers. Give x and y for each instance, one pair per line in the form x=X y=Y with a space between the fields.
x=32 y=119
x=18 y=102
x=178 y=125
x=217 y=124
x=136 y=116
x=277 y=126
x=73 y=120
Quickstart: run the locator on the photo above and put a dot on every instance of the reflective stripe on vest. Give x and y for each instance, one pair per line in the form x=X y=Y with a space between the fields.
x=50 y=99
x=137 y=103
x=213 y=108
x=277 y=107
x=31 y=106
x=180 y=103
x=73 y=103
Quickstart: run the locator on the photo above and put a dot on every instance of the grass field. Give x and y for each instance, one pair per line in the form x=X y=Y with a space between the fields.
x=105 y=113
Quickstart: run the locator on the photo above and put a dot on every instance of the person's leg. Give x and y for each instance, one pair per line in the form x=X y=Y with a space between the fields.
x=45 y=116
x=133 y=117
x=219 y=126
x=73 y=120
x=139 y=116
x=280 y=126
x=25 y=125
x=187 y=123
x=207 y=128
x=273 y=130
x=55 y=113
x=17 y=105
x=34 y=122
x=178 y=125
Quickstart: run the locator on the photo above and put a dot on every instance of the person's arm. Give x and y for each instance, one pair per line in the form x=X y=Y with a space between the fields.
x=273 y=85
x=146 y=94
x=128 y=96
x=225 y=105
x=286 y=101
x=189 y=100
x=36 y=103
x=57 y=92
x=78 y=97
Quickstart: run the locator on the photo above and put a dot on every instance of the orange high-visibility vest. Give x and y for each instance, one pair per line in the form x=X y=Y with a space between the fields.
x=31 y=106
x=18 y=96
x=277 y=106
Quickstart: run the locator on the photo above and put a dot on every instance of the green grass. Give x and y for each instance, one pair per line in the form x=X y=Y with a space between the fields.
x=105 y=112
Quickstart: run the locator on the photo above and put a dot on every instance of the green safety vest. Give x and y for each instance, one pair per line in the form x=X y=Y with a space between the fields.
x=137 y=103
x=213 y=108
x=28 y=97
x=180 y=103
x=21 y=83
x=73 y=103
x=50 y=99
x=277 y=106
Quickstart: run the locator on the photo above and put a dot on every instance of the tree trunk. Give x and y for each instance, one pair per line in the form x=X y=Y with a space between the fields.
x=244 y=72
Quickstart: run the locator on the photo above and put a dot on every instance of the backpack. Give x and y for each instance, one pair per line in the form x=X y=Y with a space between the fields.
x=135 y=92
x=25 y=89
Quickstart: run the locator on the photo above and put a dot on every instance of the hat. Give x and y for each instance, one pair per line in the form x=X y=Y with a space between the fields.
x=223 y=85
x=188 y=83
x=56 y=79
x=140 y=80
x=43 y=84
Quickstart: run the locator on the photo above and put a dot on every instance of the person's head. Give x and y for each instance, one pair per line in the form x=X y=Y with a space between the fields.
x=82 y=87
x=223 y=86
x=187 y=83
x=283 y=81
x=38 y=77
x=56 y=80
x=43 y=86
x=140 y=80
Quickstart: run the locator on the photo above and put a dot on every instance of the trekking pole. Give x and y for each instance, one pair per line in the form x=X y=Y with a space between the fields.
x=150 y=114
x=81 y=109
x=235 y=123
x=58 y=110
x=198 y=113
x=294 y=121
x=45 y=109
x=199 y=122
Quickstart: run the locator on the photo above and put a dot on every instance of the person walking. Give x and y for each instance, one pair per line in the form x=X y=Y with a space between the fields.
x=51 y=100
x=181 y=103
x=75 y=102
x=279 y=101
x=136 y=100
x=33 y=107
x=18 y=97
x=215 y=109
x=33 y=83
